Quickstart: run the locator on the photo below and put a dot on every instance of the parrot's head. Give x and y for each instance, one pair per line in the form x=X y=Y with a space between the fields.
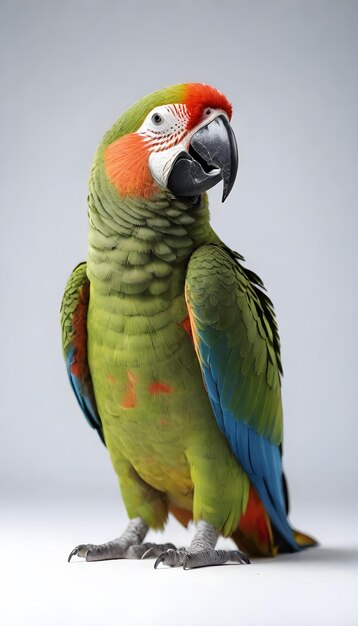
x=178 y=140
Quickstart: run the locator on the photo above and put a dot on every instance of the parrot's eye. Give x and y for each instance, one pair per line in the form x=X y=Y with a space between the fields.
x=207 y=111
x=157 y=119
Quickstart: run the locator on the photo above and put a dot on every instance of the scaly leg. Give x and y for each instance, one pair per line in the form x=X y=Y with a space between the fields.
x=128 y=546
x=201 y=552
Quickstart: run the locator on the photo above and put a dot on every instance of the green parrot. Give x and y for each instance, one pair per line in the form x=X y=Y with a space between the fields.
x=171 y=344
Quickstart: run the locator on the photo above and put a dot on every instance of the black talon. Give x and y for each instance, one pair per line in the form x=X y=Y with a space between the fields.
x=73 y=553
x=240 y=557
x=148 y=553
x=159 y=560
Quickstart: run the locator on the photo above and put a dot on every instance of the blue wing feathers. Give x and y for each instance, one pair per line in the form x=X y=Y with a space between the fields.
x=83 y=396
x=260 y=459
x=74 y=308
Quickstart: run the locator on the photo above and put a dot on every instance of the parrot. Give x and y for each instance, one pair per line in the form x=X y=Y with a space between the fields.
x=171 y=344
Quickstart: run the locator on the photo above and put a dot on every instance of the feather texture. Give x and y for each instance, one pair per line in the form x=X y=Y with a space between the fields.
x=74 y=309
x=239 y=352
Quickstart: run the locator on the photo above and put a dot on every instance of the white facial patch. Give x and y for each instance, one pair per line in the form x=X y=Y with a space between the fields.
x=164 y=126
x=161 y=163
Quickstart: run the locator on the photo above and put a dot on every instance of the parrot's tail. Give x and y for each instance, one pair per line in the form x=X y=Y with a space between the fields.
x=256 y=535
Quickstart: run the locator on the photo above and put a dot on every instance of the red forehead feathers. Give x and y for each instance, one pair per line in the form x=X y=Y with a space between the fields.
x=199 y=97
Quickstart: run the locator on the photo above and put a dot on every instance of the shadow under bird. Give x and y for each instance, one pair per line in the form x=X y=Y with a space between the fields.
x=171 y=344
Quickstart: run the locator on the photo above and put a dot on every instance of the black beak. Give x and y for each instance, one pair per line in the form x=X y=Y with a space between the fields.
x=212 y=157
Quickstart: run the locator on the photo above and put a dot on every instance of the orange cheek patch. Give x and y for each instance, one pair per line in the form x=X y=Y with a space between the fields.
x=130 y=397
x=112 y=379
x=126 y=165
x=159 y=387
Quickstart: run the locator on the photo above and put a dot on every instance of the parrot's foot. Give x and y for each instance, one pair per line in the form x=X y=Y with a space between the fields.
x=201 y=552
x=127 y=546
x=113 y=550
x=190 y=558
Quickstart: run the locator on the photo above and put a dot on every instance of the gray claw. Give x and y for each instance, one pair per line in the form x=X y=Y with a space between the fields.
x=242 y=558
x=83 y=550
x=159 y=560
x=150 y=553
x=80 y=551
x=171 y=557
x=73 y=553
x=237 y=556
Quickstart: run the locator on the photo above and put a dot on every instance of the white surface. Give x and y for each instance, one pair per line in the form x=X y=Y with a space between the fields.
x=318 y=587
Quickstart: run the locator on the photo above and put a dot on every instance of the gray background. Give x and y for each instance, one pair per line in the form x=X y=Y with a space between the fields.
x=68 y=69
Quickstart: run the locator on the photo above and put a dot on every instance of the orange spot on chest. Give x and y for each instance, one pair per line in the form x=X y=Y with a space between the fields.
x=112 y=379
x=159 y=387
x=130 y=397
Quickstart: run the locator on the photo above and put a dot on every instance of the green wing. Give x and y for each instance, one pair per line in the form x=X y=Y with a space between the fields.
x=238 y=347
x=74 y=342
